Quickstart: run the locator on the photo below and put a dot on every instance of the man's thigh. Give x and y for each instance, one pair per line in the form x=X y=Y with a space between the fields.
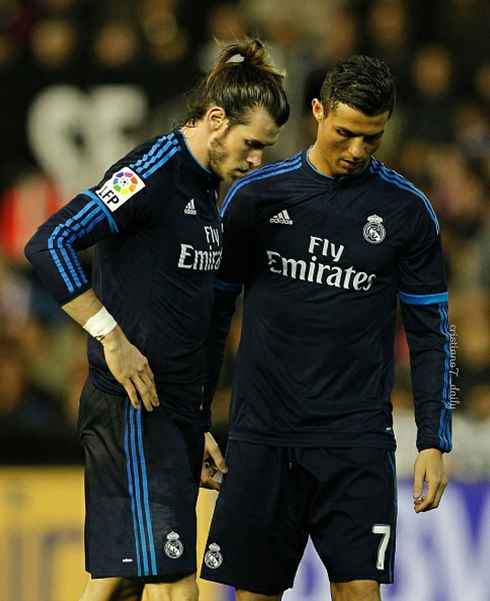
x=352 y=516
x=357 y=590
x=155 y=588
x=257 y=539
x=247 y=596
x=141 y=477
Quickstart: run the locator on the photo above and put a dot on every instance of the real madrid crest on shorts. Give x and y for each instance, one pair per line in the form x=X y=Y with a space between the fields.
x=374 y=230
x=174 y=547
x=213 y=558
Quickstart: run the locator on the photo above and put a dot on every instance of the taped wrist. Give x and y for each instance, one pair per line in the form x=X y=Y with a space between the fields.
x=100 y=324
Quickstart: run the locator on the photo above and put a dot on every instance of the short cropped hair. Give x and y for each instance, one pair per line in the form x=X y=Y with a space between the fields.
x=363 y=83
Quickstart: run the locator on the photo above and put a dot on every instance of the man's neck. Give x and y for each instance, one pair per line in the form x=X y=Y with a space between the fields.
x=197 y=139
x=316 y=159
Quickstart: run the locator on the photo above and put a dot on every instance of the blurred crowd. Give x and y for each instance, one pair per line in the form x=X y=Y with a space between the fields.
x=83 y=81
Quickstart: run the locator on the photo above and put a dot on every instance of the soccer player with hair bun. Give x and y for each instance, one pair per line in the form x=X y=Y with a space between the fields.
x=155 y=227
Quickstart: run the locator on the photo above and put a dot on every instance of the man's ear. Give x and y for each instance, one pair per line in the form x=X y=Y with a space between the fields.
x=318 y=110
x=216 y=117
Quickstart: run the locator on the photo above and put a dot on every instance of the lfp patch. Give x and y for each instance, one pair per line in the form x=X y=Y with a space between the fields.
x=119 y=188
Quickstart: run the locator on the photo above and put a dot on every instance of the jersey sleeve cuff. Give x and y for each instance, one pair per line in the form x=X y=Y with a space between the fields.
x=78 y=292
x=225 y=287
x=444 y=448
x=423 y=299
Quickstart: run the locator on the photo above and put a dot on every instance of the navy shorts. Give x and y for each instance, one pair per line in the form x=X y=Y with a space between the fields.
x=142 y=472
x=273 y=498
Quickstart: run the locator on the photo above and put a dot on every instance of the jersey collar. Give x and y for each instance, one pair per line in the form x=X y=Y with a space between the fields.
x=192 y=161
x=328 y=179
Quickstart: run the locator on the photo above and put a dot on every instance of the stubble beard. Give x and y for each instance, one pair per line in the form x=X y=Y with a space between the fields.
x=217 y=157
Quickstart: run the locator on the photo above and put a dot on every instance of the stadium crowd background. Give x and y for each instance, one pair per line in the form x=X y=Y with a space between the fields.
x=84 y=81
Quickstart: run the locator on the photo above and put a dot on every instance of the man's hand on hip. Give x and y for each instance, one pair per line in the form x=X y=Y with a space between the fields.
x=130 y=368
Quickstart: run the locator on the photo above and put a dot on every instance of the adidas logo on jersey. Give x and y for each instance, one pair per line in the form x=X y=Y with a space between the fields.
x=190 y=208
x=282 y=218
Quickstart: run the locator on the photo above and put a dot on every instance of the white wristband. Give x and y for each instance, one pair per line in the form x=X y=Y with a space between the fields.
x=100 y=324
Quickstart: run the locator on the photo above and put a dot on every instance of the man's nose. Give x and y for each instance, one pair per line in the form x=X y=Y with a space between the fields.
x=357 y=148
x=255 y=158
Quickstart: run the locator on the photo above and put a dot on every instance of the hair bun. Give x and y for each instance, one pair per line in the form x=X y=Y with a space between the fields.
x=243 y=78
x=249 y=51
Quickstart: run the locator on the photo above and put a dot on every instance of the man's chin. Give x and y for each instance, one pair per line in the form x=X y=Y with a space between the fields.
x=240 y=174
x=218 y=174
x=234 y=175
x=351 y=170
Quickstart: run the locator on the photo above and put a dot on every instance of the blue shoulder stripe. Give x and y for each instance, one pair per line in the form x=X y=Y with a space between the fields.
x=166 y=157
x=161 y=151
x=158 y=144
x=164 y=148
x=59 y=265
x=423 y=299
x=60 y=242
x=152 y=150
x=392 y=177
x=253 y=176
x=268 y=168
x=110 y=218
x=290 y=164
x=271 y=167
x=60 y=246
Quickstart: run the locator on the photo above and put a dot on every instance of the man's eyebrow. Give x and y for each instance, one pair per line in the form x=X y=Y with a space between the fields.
x=355 y=135
x=254 y=142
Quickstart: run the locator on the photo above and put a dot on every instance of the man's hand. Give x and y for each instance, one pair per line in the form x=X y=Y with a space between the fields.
x=213 y=463
x=126 y=363
x=429 y=468
x=130 y=368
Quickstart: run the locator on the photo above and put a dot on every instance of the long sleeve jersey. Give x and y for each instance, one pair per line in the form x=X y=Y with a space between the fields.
x=322 y=262
x=156 y=228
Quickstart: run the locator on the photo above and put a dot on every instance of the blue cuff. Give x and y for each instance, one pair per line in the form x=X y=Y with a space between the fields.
x=423 y=299
x=227 y=287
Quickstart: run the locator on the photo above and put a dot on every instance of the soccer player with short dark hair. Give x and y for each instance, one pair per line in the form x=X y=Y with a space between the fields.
x=158 y=243
x=323 y=243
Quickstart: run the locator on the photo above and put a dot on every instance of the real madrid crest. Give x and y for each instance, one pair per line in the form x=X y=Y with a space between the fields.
x=174 y=547
x=374 y=230
x=213 y=558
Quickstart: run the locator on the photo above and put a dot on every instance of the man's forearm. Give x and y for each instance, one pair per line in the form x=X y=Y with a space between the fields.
x=427 y=335
x=82 y=308
x=90 y=313
x=124 y=360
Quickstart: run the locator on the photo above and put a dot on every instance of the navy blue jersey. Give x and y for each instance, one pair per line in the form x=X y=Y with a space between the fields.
x=322 y=262
x=156 y=228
